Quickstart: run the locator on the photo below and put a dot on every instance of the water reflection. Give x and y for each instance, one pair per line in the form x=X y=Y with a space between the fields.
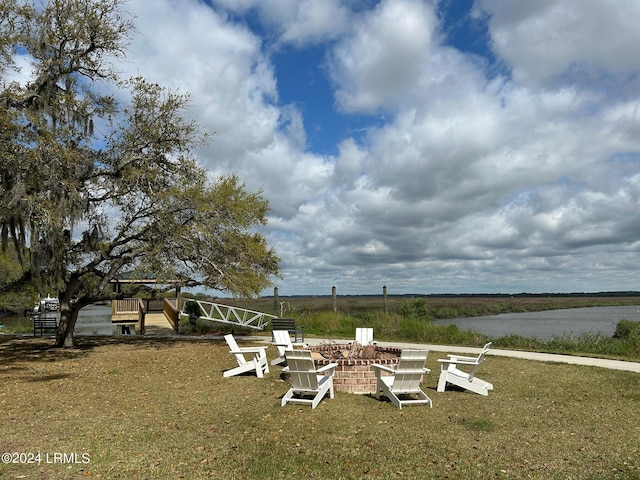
x=550 y=323
x=92 y=320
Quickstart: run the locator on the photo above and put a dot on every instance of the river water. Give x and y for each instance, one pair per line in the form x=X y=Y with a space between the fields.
x=92 y=320
x=550 y=323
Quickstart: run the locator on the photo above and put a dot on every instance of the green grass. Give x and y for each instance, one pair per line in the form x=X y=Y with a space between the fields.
x=587 y=344
x=17 y=329
x=151 y=408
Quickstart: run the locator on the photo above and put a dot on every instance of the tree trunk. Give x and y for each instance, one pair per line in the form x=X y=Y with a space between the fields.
x=68 y=317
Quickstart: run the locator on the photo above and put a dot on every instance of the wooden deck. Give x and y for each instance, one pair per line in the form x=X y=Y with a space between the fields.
x=154 y=323
x=126 y=315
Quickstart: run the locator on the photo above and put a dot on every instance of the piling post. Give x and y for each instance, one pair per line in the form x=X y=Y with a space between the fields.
x=384 y=300
x=275 y=302
x=333 y=298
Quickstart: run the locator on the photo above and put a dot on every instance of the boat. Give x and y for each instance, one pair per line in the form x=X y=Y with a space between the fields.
x=50 y=304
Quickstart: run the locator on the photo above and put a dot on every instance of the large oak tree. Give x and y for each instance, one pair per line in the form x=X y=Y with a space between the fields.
x=91 y=188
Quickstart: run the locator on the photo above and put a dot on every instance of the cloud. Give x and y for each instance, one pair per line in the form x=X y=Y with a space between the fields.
x=297 y=22
x=460 y=179
x=549 y=42
x=387 y=52
x=315 y=22
x=21 y=72
x=189 y=46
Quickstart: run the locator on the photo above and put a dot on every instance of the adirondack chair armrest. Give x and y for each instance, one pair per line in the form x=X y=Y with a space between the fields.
x=248 y=350
x=383 y=367
x=457 y=360
x=462 y=357
x=301 y=345
x=417 y=371
x=330 y=366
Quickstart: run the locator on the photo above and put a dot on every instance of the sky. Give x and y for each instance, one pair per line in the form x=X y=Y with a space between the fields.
x=452 y=146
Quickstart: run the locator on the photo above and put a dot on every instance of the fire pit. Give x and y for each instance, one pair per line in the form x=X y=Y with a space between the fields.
x=354 y=373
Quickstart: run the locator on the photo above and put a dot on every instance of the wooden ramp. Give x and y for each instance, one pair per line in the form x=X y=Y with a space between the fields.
x=157 y=323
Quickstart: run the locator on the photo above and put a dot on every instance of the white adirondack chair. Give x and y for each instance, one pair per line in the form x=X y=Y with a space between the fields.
x=282 y=340
x=257 y=362
x=308 y=384
x=364 y=336
x=402 y=387
x=450 y=373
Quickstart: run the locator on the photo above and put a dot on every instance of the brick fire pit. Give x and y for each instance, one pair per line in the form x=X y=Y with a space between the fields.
x=354 y=373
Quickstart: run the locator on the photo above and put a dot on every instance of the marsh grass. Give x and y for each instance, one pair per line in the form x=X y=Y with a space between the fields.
x=387 y=327
x=408 y=318
x=421 y=330
x=438 y=306
x=152 y=408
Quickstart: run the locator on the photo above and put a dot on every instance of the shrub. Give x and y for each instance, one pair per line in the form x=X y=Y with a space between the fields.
x=627 y=329
x=446 y=312
x=415 y=309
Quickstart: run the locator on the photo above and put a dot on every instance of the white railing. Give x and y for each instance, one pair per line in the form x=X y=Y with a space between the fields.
x=217 y=312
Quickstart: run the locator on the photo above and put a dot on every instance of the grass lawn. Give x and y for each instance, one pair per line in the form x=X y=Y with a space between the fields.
x=151 y=408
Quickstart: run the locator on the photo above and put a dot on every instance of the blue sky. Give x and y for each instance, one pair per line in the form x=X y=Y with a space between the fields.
x=452 y=146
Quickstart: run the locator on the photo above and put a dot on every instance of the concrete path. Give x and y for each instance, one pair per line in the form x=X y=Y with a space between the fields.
x=541 y=357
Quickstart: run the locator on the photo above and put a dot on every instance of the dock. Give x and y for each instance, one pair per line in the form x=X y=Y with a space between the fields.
x=132 y=315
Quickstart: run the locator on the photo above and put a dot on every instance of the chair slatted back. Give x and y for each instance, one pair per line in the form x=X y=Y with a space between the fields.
x=410 y=370
x=283 y=340
x=302 y=370
x=364 y=336
x=479 y=360
x=233 y=346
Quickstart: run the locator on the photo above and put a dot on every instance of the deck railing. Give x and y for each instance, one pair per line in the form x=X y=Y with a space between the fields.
x=132 y=305
x=171 y=312
x=124 y=305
